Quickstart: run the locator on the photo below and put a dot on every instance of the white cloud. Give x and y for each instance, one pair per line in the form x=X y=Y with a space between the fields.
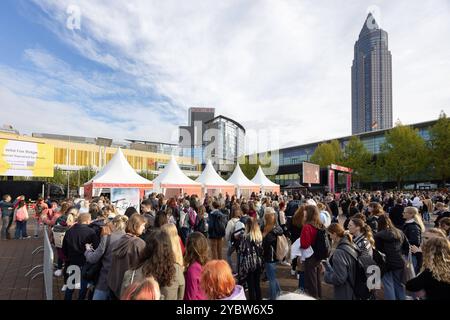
x=279 y=64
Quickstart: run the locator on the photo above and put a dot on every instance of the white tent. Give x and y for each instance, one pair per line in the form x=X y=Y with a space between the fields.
x=242 y=184
x=172 y=181
x=117 y=173
x=212 y=183
x=264 y=182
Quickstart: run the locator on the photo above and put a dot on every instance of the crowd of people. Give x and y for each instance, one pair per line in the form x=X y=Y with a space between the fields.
x=173 y=248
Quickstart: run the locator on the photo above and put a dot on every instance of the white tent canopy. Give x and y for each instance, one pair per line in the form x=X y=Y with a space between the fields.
x=173 y=177
x=239 y=179
x=264 y=182
x=212 y=182
x=242 y=183
x=118 y=172
x=210 y=178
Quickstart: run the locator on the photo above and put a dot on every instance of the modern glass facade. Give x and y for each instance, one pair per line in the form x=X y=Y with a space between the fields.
x=228 y=140
x=371 y=80
x=292 y=157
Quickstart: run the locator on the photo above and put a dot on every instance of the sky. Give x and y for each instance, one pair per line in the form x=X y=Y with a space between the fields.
x=132 y=69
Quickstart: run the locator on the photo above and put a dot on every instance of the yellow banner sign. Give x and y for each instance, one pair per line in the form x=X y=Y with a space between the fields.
x=26 y=159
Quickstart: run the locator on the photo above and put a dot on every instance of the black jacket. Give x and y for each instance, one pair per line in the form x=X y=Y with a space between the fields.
x=434 y=289
x=393 y=249
x=97 y=227
x=440 y=216
x=334 y=208
x=396 y=216
x=214 y=220
x=413 y=233
x=292 y=207
x=372 y=221
x=270 y=244
x=74 y=243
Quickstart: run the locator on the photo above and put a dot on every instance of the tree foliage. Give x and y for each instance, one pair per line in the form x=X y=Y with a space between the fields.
x=402 y=154
x=440 y=147
x=327 y=153
x=357 y=157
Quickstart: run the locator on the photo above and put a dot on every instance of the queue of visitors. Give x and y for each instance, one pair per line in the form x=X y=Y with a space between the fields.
x=223 y=247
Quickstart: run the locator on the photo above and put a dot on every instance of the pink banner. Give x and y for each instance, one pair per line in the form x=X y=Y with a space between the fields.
x=331 y=180
x=349 y=182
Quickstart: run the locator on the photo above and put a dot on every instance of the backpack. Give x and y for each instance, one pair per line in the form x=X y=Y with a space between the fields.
x=322 y=245
x=363 y=262
x=239 y=229
x=282 y=247
x=219 y=225
x=192 y=217
x=21 y=214
x=200 y=225
x=250 y=258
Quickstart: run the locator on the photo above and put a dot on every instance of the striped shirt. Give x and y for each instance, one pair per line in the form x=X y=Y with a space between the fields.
x=363 y=244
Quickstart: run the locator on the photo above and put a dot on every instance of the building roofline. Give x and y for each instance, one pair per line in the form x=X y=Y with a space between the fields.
x=152 y=142
x=360 y=135
x=228 y=119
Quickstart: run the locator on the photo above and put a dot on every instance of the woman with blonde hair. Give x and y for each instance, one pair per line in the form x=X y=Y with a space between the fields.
x=435 y=276
x=251 y=260
x=413 y=229
x=172 y=231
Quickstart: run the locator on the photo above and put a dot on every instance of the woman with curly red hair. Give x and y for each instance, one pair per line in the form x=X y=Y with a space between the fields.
x=218 y=282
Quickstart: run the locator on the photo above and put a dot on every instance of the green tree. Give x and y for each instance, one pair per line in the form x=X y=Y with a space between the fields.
x=402 y=154
x=327 y=153
x=440 y=147
x=357 y=157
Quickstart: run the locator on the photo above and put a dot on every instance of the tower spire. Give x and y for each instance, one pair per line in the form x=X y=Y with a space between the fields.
x=369 y=24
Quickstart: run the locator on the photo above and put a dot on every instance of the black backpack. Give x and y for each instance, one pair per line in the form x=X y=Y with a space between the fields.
x=321 y=247
x=220 y=224
x=363 y=262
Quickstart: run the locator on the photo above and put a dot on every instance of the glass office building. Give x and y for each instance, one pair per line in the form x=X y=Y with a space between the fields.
x=371 y=80
x=225 y=142
x=290 y=167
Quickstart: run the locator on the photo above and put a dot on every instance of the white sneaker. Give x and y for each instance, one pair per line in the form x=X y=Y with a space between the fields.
x=64 y=287
x=58 y=273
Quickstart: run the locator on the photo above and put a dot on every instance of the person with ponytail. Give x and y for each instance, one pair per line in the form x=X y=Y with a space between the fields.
x=362 y=236
x=413 y=229
x=393 y=243
x=340 y=268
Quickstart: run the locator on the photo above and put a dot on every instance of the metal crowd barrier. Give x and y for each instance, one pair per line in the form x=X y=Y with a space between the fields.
x=47 y=265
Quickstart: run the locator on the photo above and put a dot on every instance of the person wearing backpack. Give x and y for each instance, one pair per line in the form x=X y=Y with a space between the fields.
x=340 y=268
x=393 y=243
x=314 y=235
x=217 y=223
x=251 y=262
x=229 y=237
x=21 y=216
x=270 y=238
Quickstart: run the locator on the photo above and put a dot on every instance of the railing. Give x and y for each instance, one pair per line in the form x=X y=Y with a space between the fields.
x=47 y=265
